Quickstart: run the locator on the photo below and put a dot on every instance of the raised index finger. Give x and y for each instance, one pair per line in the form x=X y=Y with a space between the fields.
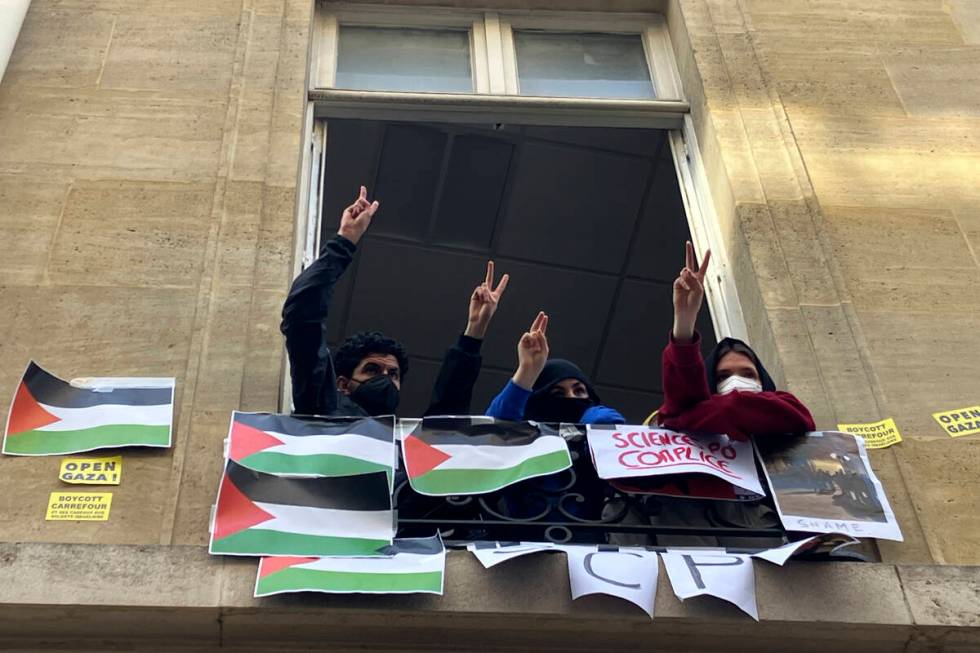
x=689 y=256
x=490 y=275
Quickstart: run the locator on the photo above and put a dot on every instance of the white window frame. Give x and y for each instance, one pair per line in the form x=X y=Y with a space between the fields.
x=495 y=100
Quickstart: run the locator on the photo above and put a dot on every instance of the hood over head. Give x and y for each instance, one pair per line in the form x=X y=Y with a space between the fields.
x=725 y=346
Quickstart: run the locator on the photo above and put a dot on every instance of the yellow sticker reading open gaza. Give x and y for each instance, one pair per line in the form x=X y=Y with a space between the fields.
x=959 y=421
x=79 y=506
x=876 y=435
x=91 y=471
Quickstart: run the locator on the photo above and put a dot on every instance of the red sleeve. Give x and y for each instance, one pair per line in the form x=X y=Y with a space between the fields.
x=741 y=414
x=684 y=381
x=765 y=413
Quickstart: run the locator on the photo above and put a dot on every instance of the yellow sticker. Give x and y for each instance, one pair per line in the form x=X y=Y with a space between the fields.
x=959 y=422
x=79 y=506
x=91 y=471
x=876 y=435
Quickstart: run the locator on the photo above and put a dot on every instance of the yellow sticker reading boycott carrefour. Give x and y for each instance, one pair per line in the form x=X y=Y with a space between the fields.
x=91 y=471
x=960 y=421
x=876 y=435
x=79 y=506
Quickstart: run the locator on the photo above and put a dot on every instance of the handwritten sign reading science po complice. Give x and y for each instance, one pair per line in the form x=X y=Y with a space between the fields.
x=630 y=451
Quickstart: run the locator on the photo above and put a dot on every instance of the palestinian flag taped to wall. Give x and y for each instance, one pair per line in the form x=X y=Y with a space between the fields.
x=263 y=514
x=474 y=455
x=293 y=446
x=49 y=416
x=409 y=566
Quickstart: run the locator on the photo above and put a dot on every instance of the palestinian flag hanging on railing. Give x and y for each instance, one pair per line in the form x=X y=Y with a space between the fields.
x=49 y=416
x=263 y=514
x=474 y=455
x=312 y=446
x=408 y=566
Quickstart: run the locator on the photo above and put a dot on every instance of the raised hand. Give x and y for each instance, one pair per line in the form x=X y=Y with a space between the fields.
x=689 y=294
x=357 y=217
x=532 y=353
x=483 y=304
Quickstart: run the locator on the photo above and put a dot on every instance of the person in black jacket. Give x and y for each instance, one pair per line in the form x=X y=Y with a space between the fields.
x=364 y=377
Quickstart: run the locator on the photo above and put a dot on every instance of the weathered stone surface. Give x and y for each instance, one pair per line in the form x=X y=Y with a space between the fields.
x=942 y=596
x=179 y=53
x=937 y=82
x=132 y=233
x=60 y=46
x=101 y=135
x=31 y=212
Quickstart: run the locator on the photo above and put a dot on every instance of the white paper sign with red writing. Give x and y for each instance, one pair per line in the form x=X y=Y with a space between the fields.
x=621 y=451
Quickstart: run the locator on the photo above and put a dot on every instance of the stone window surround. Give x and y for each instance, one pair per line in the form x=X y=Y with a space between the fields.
x=722 y=161
x=495 y=75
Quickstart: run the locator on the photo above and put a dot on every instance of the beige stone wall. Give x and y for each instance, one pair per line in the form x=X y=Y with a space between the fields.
x=148 y=170
x=148 y=165
x=841 y=140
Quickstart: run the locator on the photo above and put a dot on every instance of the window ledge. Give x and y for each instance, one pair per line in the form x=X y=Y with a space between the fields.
x=179 y=594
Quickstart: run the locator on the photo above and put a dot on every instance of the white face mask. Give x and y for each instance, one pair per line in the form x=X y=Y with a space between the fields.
x=740 y=383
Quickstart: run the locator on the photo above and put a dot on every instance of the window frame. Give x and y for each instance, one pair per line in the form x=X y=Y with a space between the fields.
x=493 y=57
x=494 y=101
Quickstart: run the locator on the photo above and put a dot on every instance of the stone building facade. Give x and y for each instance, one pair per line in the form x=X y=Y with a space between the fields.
x=151 y=164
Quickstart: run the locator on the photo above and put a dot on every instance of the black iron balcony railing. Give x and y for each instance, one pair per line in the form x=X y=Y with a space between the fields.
x=577 y=507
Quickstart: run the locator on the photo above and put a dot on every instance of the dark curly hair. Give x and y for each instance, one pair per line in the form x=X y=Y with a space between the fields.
x=353 y=350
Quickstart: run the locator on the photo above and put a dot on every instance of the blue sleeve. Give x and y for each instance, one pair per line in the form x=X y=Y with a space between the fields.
x=510 y=403
x=602 y=415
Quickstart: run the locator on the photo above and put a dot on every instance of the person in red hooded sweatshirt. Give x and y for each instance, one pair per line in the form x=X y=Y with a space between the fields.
x=729 y=393
x=733 y=393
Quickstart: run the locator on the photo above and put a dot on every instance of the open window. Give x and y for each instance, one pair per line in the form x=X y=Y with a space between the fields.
x=560 y=146
x=557 y=144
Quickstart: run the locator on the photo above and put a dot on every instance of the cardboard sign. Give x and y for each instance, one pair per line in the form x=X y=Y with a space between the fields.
x=960 y=421
x=876 y=435
x=728 y=576
x=825 y=484
x=621 y=451
x=91 y=471
x=627 y=573
x=79 y=506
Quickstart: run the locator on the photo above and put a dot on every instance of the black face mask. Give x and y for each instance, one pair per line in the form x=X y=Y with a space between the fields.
x=548 y=408
x=377 y=396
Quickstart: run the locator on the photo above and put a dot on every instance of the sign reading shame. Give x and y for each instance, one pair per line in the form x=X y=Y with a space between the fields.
x=728 y=576
x=824 y=484
x=621 y=451
x=627 y=573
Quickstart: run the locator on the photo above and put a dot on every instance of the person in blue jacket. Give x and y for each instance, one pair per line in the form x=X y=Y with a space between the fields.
x=544 y=390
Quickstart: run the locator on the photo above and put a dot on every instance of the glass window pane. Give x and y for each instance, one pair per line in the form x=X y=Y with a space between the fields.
x=396 y=59
x=582 y=65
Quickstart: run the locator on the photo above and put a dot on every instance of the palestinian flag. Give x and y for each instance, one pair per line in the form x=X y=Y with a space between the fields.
x=49 y=416
x=292 y=446
x=468 y=455
x=262 y=514
x=406 y=567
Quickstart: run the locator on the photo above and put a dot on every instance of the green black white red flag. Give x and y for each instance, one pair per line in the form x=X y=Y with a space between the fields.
x=312 y=446
x=473 y=455
x=49 y=416
x=262 y=514
x=408 y=566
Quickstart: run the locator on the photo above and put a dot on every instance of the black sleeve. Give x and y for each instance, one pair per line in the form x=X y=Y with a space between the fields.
x=453 y=391
x=304 y=318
